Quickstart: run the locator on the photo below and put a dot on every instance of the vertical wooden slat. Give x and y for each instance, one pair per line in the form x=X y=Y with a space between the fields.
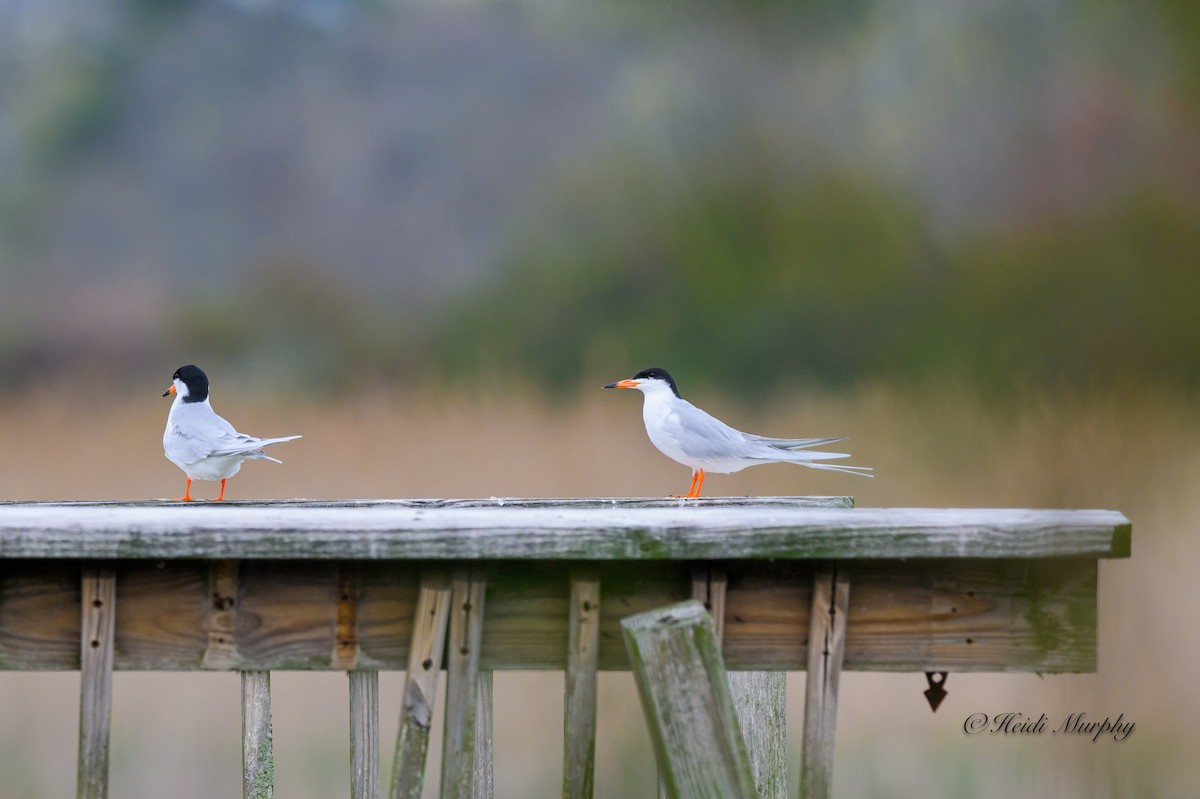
x=684 y=692
x=258 y=756
x=98 y=606
x=583 y=652
x=462 y=684
x=420 y=685
x=483 y=787
x=826 y=651
x=364 y=734
x=759 y=697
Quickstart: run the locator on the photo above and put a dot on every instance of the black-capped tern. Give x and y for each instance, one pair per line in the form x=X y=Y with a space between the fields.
x=688 y=435
x=199 y=441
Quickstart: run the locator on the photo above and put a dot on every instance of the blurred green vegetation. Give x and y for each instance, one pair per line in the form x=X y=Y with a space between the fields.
x=755 y=280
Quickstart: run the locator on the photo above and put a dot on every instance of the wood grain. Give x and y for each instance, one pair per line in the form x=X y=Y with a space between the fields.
x=541 y=531
x=920 y=615
x=826 y=653
x=98 y=614
x=681 y=681
x=427 y=645
x=468 y=592
x=364 y=734
x=258 y=755
x=579 y=701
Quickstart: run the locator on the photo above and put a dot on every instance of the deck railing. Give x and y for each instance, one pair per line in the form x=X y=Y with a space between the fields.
x=469 y=587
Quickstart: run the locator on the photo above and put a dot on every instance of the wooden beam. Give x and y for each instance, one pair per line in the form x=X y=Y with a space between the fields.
x=684 y=531
x=258 y=755
x=681 y=680
x=364 y=734
x=579 y=702
x=425 y=654
x=826 y=651
x=468 y=592
x=98 y=605
x=912 y=616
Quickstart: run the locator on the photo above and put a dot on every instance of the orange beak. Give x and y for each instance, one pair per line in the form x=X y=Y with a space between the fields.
x=623 y=384
x=169 y=391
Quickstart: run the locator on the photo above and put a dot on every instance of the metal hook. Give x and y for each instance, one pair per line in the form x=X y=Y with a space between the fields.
x=935 y=693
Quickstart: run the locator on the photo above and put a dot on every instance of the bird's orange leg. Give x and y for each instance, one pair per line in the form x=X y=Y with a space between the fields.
x=187 y=492
x=694 y=491
x=222 y=496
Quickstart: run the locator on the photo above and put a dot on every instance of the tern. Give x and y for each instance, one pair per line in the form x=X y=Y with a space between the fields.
x=199 y=441
x=688 y=435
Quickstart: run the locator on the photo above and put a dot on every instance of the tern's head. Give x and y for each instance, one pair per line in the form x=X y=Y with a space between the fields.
x=190 y=383
x=649 y=381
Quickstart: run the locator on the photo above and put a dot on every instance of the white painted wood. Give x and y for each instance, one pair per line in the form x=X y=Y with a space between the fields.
x=98 y=595
x=683 y=530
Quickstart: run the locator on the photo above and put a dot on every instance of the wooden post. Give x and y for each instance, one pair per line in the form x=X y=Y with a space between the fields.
x=258 y=757
x=579 y=722
x=681 y=681
x=98 y=606
x=462 y=685
x=483 y=786
x=364 y=734
x=826 y=651
x=759 y=697
x=425 y=654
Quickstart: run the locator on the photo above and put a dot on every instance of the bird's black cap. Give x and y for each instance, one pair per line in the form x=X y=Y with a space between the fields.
x=657 y=373
x=196 y=381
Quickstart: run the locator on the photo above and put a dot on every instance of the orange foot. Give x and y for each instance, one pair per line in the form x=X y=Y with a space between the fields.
x=694 y=491
x=222 y=496
x=187 y=492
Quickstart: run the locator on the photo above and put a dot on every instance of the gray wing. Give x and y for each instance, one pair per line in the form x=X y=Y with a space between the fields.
x=702 y=436
x=196 y=436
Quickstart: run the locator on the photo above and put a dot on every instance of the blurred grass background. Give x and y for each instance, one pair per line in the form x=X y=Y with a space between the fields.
x=423 y=234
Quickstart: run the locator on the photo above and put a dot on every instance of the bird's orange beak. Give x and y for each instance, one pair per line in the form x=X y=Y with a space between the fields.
x=169 y=391
x=623 y=384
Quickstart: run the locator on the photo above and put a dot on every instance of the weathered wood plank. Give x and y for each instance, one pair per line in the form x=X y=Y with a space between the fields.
x=98 y=606
x=685 y=531
x=579 y=701
x=826 y=652
x=258 y=755
x=483 y=784
x=922 y=615
x=364 y=734
x=681 y=680
x=468 y=592
x=759 y=697
x=428 y=638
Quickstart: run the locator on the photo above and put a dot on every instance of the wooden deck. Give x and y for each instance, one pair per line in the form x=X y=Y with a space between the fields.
x=475 y=586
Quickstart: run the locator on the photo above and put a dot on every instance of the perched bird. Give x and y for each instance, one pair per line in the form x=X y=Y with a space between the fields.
x=201 y=443
x=686 y=434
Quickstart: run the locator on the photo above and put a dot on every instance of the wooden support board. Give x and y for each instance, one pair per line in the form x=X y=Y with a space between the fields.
x=915 y=616
x=682 y=684
x=95 y=642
